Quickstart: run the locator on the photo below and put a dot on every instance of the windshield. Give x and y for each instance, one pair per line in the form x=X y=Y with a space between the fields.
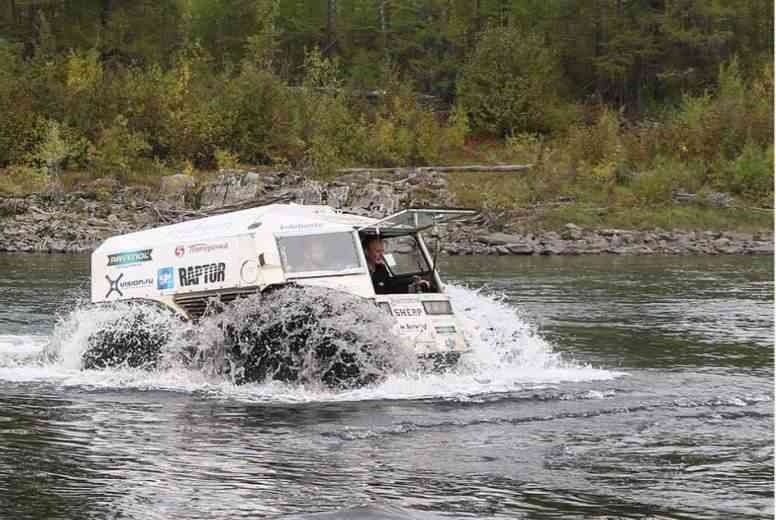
x=403 y=256
x=314 y=253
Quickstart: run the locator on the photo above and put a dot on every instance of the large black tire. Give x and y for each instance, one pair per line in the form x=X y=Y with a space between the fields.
x=131 y=340
x=287 y=341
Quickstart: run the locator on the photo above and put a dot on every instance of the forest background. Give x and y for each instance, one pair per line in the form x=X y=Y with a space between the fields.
x=618 y=104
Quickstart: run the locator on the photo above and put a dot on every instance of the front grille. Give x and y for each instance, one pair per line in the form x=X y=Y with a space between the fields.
x=195 y=304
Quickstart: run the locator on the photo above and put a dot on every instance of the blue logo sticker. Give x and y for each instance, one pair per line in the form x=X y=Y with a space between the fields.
x=165 y=278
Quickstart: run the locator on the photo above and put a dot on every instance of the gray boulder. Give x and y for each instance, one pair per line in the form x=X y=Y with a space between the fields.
x=378 y=199
x=524 y=247
x=571 y=232
x=175 y=187
x=500 y=239
x=231 y=188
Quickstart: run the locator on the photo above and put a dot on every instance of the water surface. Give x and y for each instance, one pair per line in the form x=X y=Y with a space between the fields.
x=598 y=387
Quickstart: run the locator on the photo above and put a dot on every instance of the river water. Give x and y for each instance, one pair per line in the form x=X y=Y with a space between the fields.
x=598 y=387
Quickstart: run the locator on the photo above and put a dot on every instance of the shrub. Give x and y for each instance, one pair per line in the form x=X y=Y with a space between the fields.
x=18 y=132
x=119 y=149
x=751 y=173
x=510 y=82
x=226 y=160
x=261 y=117
x=655 y=186
x=597 y=150
x=21 y=180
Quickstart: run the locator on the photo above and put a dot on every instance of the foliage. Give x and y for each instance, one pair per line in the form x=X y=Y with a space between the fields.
x=617 y=103
x=118 y=149
x=751 y=173
x=509 y=82
x=22 y=180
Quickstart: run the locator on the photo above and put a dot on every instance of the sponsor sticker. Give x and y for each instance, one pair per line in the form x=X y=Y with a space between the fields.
x=165 y=278
x=129 y=258
x=202 y=274
x=119 y=285
x=140 y=283
x=180 y=251
x=114 y=285
x=207 y=248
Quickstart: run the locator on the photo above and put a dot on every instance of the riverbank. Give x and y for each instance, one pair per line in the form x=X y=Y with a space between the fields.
x=77 y=221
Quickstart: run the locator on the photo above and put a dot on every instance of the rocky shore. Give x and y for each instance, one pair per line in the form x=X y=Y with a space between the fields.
x=77 y=222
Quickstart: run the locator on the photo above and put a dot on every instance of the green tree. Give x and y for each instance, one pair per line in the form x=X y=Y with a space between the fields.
x=510 y=82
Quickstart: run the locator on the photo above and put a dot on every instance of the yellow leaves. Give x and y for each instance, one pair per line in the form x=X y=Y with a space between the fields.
x=604 y=172
x=226 y=160
x=53 y=150
x=83 y=71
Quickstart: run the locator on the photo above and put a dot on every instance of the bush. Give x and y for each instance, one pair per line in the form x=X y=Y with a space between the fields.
x=510 y=82
x=18 y=132
x=261 y=117
x=119 y=149
x=22 y=180
x=597 y=150
x=710 y=127
x=751 y=173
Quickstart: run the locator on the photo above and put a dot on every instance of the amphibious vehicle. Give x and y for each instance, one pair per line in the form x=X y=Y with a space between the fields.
x=184 y=267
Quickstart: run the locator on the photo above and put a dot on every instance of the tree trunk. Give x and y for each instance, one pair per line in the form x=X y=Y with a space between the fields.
x=331 y=46
x=107 y=9
x=382 y=9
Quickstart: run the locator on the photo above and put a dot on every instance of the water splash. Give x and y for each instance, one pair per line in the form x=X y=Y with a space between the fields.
x=304 y=335
x=507 y=352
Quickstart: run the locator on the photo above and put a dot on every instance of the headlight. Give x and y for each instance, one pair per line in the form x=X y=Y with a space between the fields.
x=385 y=307
x=438 y=307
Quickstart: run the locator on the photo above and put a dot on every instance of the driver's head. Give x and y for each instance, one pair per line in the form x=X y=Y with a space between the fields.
x=375 y=248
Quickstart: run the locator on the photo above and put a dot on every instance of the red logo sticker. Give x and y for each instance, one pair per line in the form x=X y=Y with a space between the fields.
x=179 y=251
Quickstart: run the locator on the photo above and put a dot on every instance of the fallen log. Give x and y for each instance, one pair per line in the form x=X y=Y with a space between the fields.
x=445 y=169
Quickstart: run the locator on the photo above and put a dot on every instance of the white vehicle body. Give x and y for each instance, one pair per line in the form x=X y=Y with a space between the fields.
x=183 y=265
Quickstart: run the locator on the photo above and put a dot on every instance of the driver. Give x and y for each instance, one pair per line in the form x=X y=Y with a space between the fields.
x=382 y=280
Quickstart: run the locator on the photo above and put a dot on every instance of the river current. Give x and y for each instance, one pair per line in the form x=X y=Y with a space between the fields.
x=598 y=387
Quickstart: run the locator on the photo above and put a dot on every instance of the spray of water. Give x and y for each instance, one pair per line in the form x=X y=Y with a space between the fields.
x=209 y=357
x=302 y=335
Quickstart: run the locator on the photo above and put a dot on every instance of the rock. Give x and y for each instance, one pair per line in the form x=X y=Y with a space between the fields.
x=719 y=199
x=525 y=247
x=737 y=236
x=502 y=250
x=552 y=247
x=623 y=250
x=57 y=246
x=571 y=232
x=760 y=248
x=231 y=188
x=311 y=192
x=378 y=198
x=336 y=196
x=500 y=239
x=10 y=207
